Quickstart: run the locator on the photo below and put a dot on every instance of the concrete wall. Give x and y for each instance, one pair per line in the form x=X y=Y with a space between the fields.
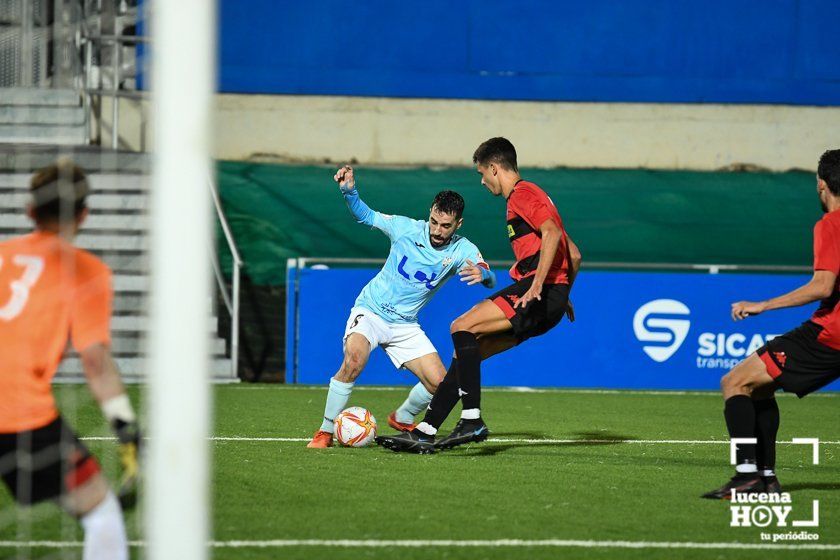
x=546 y=134
x=388 y=131
x=133 y=118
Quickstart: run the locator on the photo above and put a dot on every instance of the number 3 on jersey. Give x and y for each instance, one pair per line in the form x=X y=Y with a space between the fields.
x=33 y=267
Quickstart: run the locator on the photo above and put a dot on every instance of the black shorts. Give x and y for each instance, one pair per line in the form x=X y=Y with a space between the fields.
x=44 y=463
x=799 y=362
x=539 y=316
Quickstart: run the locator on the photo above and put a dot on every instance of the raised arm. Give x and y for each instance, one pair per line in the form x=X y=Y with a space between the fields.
x=347 y=184
x=392 y=226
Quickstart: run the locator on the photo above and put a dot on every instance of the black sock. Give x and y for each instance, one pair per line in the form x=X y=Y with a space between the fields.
x=766 y=428
x=469 y=368
x=445 y=399
x=739 y=412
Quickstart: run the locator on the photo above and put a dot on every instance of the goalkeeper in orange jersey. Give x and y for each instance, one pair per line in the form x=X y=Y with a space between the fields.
x=50 y=291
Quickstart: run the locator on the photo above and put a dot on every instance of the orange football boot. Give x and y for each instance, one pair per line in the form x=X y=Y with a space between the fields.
x=321 y=440
x=399 y=426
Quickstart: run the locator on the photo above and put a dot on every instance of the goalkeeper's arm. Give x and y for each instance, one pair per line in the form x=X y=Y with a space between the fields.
x=107 y=387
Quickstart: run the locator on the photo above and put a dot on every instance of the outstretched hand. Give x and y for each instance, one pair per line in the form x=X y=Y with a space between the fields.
x=471 y=274
x=743 y=309
x=344 y=178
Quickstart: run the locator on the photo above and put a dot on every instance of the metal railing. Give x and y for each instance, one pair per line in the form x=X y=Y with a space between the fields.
x=115 y=93
x=231 y=300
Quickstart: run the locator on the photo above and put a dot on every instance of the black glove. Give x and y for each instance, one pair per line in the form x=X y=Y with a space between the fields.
x=128 y=434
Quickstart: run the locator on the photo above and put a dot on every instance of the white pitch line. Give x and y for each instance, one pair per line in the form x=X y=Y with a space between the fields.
x=499 y=440
x=497 y=543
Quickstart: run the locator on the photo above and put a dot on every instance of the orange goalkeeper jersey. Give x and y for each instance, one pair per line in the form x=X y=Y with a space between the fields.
x=49 y=291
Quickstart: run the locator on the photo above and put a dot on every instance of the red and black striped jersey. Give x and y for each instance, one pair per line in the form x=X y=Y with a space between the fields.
x=827 y=257
x=528 y=207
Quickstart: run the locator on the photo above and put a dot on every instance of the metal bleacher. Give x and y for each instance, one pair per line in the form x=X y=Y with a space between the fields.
x=116 y=231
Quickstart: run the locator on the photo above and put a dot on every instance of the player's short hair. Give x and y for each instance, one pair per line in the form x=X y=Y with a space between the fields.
x=496 y=150
x=829 y=170
x=57 y=188
x=449 y=202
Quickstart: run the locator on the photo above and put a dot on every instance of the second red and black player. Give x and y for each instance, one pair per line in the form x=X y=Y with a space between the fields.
x=800 y=361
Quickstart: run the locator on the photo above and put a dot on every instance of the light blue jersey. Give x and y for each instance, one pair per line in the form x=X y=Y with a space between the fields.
x=415 y=270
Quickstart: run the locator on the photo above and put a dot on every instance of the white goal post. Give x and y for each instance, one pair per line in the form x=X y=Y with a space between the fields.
x=178 y=473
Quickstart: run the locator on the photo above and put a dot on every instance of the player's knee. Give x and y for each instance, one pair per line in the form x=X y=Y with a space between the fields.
x=352 y=367
x=733 y=384
x=432 y=382
x=459 y=324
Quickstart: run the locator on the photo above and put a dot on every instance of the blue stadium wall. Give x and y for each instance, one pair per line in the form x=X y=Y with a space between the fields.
x=655 y=51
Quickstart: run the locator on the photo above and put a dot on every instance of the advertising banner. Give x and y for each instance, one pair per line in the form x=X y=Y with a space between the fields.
x=634 y=330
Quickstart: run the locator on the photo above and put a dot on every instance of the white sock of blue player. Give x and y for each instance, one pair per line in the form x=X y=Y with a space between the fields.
x=337 y=398
x=418 y=400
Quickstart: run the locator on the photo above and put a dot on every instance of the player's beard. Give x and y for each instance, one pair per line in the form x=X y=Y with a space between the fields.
x=437 y=242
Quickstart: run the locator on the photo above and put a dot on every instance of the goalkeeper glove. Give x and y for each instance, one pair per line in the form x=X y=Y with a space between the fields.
x=128 y=435
x=121 y=416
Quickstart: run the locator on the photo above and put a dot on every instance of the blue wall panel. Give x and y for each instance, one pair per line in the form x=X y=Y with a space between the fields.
x=607 y=347
x=724 y=51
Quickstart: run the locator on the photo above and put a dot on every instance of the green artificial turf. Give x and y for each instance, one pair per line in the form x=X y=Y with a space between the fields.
x=595 y=487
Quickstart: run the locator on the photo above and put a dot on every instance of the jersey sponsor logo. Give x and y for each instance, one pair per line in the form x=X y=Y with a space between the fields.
x=663 y=324
x=419 y=275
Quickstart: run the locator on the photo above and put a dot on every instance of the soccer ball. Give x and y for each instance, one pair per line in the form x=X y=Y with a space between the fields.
x=355 y=427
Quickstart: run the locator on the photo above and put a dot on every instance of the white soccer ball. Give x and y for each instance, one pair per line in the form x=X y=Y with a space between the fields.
x=355 y=427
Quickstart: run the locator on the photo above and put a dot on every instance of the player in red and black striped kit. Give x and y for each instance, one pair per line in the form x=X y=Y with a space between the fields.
x=800 y=361
x=547 y=262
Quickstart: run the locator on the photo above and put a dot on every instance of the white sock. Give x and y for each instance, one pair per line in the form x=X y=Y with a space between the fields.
x=471 y=414
x=337 y=398
x=105 y=532
x=427 y=429
x=418 y=399
x=746 y=468
x=768 y=472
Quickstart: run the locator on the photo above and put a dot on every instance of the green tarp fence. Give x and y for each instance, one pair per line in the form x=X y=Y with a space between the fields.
x=283 y=211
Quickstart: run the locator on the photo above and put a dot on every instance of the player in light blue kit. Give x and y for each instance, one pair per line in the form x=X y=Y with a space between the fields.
x=423 y=256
